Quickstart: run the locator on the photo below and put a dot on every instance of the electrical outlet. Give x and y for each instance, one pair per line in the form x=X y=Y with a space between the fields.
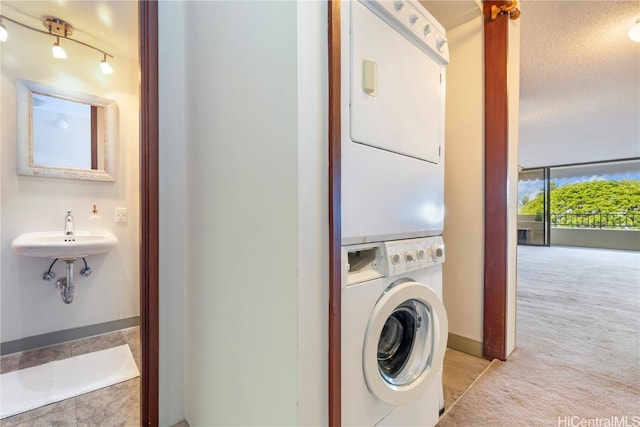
x=121 y=214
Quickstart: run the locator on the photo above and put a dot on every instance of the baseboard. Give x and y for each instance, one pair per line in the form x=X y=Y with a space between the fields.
x=465 y=345
x=58 y=337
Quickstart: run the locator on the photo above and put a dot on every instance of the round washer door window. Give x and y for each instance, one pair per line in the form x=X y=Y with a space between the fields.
x=405 y=342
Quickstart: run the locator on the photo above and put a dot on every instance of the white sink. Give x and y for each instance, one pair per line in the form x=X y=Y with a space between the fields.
x=55 y=244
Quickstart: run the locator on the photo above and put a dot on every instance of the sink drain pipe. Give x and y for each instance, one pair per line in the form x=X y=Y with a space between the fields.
x=65 y=284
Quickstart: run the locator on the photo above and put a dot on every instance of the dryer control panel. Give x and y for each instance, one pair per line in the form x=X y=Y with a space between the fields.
x=413 y=21
x=402 y=256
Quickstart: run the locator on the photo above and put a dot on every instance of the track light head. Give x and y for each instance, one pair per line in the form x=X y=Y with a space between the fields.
x=105 y=66
x=634 y=31
x=57 y=50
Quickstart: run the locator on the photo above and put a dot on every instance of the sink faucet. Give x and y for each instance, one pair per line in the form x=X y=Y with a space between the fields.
x=68 y=224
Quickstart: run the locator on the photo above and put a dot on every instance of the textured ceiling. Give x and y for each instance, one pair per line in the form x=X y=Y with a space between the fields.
x=579 y=82
x=451 y=13
x=579 y=78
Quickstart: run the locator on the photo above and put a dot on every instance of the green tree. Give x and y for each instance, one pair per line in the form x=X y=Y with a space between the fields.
x=595 y=197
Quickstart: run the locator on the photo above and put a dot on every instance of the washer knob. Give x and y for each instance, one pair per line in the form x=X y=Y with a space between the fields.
x=421 y=253
x=398 y=5
x=409 y=256
x=413 y=19
x=435 y=251
x=395 y=259
x=427 y=30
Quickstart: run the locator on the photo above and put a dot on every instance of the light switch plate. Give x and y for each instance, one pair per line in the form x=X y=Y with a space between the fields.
x=121 y=215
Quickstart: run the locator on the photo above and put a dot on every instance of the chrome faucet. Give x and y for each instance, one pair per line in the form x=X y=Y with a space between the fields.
x=68 y=224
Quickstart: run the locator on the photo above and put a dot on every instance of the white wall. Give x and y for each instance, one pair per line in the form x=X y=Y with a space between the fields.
x=464 y=181
x=313 y=209
x=173 y=266
x=29 y=305
x=253 y=136
x=513 y=82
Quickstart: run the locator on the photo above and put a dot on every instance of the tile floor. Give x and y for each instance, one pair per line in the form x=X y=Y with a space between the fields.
x=118 y=405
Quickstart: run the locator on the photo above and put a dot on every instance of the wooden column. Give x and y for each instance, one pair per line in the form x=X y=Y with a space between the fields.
x=496 y=171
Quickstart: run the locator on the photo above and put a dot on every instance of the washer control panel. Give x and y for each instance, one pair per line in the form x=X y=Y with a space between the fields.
x=403 y=256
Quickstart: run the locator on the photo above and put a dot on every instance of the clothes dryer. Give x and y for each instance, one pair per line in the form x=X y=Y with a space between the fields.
x=394 y=333
x=394 y=55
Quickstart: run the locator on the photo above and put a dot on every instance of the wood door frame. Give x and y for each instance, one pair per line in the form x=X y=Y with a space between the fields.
x=149 y=212
x=495 y=137
x=335 y=227
x=496 y=170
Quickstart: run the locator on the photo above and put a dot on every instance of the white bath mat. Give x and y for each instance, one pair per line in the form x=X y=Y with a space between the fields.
x=31 y=388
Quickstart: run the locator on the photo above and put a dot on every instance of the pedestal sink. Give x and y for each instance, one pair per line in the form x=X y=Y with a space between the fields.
x=68 y=247
x=56 y=244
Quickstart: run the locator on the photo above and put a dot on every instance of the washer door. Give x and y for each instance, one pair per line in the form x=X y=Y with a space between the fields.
x=404 y=343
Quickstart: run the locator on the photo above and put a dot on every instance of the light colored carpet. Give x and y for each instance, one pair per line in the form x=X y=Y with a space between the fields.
x=577 y=360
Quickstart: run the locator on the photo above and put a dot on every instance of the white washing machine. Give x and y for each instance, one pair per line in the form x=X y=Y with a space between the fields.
x=394 y=55
x=394 y=333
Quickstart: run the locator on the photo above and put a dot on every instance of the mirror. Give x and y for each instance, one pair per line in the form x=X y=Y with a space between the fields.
x=64 y=134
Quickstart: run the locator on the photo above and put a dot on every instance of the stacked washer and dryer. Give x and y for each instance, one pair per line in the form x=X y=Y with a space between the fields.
x=394 y=325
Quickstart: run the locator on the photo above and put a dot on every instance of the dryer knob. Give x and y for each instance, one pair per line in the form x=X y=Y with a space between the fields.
x=427 y=30
x=398 y=5
x=440 y=42
x=395 y=259
x=409 y=256
x=413 y=19
x=421 y=253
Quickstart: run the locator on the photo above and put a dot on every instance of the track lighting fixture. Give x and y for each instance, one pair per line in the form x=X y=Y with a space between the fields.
x=59 y=29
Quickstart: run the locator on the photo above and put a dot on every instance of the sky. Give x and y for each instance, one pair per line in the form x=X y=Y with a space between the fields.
x=532 y=188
